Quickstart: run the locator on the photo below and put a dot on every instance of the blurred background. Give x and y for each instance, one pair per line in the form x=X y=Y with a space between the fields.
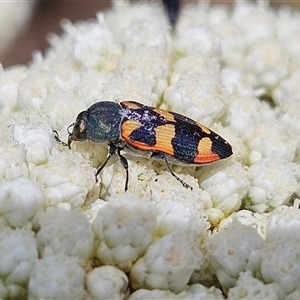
x=24 y=25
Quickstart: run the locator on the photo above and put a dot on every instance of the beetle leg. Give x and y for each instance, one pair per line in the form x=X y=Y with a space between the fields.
x=173 y=174
x=124 y=163
x=112 y=151
x=172 y=7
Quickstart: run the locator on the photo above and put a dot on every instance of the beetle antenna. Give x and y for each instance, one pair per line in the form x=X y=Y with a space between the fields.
x=58 y=140
x=69 y=127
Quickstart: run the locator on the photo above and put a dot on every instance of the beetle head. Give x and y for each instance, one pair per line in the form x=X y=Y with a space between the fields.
x=79 y=129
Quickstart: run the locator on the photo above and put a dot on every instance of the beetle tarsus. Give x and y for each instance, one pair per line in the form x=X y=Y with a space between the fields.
x=124 y=163
x=178 y=178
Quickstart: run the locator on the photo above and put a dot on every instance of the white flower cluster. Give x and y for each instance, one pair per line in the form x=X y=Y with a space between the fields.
x=235 y=235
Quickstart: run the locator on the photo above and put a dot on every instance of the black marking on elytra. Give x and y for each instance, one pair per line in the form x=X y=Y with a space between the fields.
x=144 y=135
x=220 y=146
x=187 y=137
x=149 y=120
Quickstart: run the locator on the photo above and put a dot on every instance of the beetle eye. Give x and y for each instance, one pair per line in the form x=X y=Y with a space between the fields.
x=79 y=131
x=82 y=126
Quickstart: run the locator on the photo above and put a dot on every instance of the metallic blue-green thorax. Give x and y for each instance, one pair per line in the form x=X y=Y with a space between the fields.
x=103 y=121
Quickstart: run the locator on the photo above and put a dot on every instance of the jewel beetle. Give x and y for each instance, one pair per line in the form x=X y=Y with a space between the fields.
x=150 y=132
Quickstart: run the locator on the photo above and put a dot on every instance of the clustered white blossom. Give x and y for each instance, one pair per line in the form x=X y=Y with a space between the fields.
x=235 y=235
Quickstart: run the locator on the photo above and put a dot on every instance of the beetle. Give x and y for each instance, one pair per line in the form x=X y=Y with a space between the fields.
x=150 y=132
